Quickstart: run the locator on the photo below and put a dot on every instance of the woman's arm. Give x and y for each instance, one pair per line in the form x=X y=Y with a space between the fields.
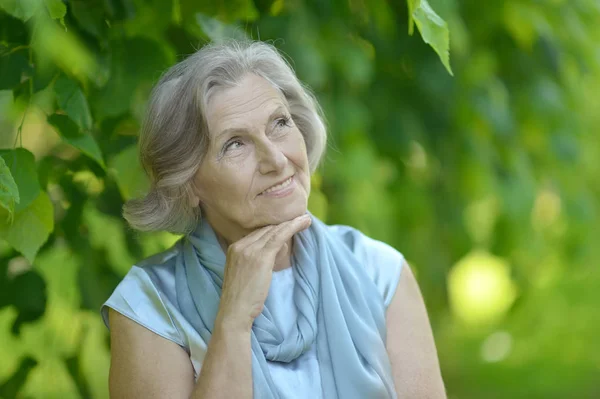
x=410 y=343
x=145 y=365
x=227 y=368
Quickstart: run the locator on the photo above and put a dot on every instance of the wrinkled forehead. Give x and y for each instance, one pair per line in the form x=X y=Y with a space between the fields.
x=244 y=105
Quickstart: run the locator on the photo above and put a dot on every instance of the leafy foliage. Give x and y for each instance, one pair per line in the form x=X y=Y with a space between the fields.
x=9 y=192
x=487 y=181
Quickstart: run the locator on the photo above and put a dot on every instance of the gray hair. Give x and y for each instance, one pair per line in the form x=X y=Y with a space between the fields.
x=174 y=135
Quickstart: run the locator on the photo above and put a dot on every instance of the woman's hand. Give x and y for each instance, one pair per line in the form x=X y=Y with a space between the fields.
x=249 y=269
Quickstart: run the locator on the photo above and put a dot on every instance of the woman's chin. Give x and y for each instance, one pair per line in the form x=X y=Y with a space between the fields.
x=285 y=212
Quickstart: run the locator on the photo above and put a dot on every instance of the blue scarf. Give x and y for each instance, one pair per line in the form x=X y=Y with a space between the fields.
x=339 y=310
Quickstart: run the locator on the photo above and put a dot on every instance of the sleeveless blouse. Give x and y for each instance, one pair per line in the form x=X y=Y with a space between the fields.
x=147 y=296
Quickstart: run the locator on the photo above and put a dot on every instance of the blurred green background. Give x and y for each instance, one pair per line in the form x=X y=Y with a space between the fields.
x=488 y=180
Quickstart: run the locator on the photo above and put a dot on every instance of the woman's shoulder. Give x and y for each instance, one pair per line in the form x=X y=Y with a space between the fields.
x=164 y=259
x=365 y=247
x=147 y=295
x=382 y=262
x=156 y=273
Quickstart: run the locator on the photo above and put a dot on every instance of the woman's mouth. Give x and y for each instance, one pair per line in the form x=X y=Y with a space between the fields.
x=282 y=189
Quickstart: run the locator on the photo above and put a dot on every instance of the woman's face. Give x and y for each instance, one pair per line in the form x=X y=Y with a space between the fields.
x=255 y=171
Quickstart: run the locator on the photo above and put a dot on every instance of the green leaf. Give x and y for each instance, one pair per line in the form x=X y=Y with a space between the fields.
x=12 y=386
x=72 y=100
x=22 y=9
x=71 y=133
x=30 y=227
x=150 y=18
x=27 y=293
x=54 y=44
x=44 y=100
x=9 y=192
x=433 y=28
x=129 y=174
x=90 y=15
x=12 y=66
x=21 y=164
x=56 y=8
x=134 y=62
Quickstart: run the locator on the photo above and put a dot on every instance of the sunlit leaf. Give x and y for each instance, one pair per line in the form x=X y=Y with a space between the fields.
x=44 y=100
x=22 y=166
x=11 y=387
x=61 y=47
x=72 y=100
x=9 y=192
x=30 y=227
x=22 y=9
x=71 y=133
x=56 y=8
x=433 y=29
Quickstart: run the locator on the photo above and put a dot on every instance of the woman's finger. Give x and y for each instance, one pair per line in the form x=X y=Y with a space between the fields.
x=274 y=239
x=256 y=235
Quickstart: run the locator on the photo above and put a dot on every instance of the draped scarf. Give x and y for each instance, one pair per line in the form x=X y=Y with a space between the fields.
x=339 y=310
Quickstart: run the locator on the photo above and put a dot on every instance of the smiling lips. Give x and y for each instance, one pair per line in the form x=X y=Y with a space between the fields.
x=280 y=188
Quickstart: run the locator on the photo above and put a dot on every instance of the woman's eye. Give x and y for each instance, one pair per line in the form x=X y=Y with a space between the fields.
x=233 y=145
x=282 y=122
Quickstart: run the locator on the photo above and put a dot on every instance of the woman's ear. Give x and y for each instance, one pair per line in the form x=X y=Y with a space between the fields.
x=195 y=201
x=194 y=195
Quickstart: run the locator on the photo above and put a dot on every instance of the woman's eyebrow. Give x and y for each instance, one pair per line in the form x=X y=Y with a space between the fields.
x=278 y=111
x=231 y=130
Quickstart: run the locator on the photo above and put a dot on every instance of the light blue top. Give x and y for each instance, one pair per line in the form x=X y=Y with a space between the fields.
x=147 y=295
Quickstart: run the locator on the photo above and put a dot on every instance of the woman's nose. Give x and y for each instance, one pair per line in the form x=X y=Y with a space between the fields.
x=270 y=157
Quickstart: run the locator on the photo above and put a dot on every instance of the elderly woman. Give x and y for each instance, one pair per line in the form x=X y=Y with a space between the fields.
x=259 y=298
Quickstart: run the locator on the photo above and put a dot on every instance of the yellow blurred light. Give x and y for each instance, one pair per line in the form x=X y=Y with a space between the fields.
x=93 y=185
x=480 y=288
x=496 y=347
x=546 y=209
